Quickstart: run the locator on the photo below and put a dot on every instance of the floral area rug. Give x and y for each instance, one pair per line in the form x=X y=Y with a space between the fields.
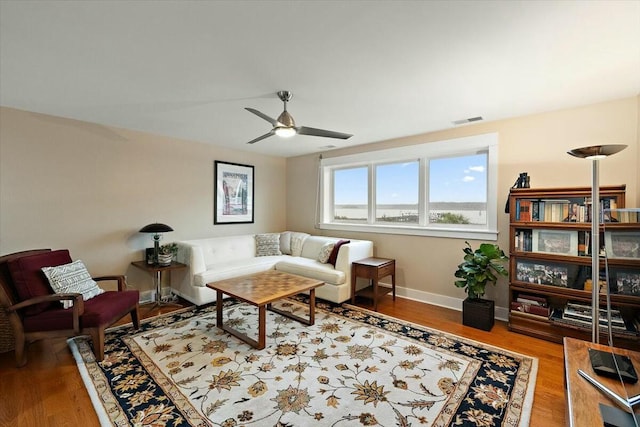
x=353 y=367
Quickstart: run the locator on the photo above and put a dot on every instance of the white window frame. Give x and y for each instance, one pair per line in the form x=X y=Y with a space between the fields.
x=423 y=152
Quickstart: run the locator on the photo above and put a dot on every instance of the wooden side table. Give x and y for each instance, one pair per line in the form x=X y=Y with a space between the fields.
x=373 y=269
x=157 y=270
x=583 y=398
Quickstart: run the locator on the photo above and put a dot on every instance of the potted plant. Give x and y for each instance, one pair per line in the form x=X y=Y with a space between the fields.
x=166 y=253
x=479 y=268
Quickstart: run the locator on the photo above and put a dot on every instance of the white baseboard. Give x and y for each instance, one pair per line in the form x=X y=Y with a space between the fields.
x=501 y=313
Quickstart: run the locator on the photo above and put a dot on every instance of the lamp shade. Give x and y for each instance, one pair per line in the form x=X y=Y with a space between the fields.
x=597 y=151
x=156 y=227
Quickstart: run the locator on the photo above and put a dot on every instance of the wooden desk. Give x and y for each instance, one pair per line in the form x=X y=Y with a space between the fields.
x=583 y=398
x=373 y=269
x=157 y=270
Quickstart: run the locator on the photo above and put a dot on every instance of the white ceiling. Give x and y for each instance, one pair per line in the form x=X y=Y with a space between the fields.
x=378 y=70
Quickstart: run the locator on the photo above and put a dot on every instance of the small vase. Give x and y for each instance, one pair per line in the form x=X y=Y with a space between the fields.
x=164 y=259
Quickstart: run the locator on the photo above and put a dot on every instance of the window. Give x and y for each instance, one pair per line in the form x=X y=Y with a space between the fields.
x=444 y=188
x=458 y=190
x=351 y=195
x=397 y=190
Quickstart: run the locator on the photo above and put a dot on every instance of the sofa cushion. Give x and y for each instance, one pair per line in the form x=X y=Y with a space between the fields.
x=268 y=244
x=297 y=242
x=231 y=269
x=325 y=252
x=285 y=242
x=313 y=245
x=29 y=279
x=311 y=268
x=72 y=278
x=217 y=250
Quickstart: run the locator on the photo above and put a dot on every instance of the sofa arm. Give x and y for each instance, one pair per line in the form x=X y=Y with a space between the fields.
x=356 y=250
x=192 y=256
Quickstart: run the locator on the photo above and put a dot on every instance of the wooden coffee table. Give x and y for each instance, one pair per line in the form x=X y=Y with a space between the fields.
x=260 y=290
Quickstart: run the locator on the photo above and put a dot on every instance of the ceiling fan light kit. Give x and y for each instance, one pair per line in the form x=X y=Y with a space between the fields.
x=285 y=126
x=285 y=132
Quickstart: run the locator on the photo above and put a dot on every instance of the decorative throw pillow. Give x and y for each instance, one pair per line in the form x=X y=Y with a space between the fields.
x=268 y=244
x=285 y=242
x=325 y=252
x=72 y=277
x=297 y=240
x=334 y=253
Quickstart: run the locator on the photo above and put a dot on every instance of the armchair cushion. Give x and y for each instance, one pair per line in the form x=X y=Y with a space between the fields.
x=97 y=311
x=30 y=281
x=72 y=278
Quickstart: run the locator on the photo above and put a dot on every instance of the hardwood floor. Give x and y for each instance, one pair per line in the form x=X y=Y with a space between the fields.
x=48 y=391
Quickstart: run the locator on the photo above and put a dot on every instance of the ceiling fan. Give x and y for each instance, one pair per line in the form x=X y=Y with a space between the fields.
x=286 y=127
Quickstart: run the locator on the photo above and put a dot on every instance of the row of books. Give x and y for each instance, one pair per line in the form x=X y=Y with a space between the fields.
x=558 y=210
x=523 y=241
x=582 y=313
x=573 y=313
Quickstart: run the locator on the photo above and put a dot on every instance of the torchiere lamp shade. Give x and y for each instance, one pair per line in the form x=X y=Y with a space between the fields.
x=596 y=151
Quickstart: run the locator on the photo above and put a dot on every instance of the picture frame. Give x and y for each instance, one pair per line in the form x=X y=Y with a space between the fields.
x=233 y=196
x=559 y=242
x=625 y=282
x=622 y=244
x=546 y=273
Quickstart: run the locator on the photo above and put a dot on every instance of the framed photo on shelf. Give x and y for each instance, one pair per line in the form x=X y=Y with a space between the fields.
x=233 y=193
x=625 y=281
x=622 y=244
x=543 y=273
x=560 y=242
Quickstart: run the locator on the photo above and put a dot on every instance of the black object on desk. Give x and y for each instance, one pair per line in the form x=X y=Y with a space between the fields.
x=603 y=364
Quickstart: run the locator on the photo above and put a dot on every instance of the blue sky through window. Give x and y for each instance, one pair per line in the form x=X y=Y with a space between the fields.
x=452 y=179
x=458 y=179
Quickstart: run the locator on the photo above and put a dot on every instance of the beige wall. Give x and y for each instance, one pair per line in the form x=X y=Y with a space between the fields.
x=536 y=144
x=90 y=188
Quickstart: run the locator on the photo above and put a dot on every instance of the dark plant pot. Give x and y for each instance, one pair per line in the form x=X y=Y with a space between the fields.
x=478 y=313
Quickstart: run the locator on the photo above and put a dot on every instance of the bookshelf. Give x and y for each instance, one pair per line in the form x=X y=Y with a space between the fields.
x=550 y=264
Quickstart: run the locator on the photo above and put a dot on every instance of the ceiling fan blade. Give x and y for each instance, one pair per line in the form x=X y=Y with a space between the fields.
x=303 y=130
x=260 y=138
x=273 y=122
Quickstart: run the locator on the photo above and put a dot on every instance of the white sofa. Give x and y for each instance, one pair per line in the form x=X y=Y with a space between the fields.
x=220 y=258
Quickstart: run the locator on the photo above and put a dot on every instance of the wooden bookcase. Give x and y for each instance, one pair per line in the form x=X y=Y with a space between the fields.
x=550 y=264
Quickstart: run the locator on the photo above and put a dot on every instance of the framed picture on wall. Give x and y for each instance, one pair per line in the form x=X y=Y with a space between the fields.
x=233 y=193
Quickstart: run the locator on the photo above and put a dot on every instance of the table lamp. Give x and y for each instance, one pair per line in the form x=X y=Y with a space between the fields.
x=156 y=228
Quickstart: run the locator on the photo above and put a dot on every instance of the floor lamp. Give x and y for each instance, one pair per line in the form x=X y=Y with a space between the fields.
x=595 y=153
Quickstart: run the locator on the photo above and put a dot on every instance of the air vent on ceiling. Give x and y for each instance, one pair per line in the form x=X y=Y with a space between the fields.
x=469 y=120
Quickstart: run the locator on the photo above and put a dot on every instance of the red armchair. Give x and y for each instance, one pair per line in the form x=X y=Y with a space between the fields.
x=34 y=311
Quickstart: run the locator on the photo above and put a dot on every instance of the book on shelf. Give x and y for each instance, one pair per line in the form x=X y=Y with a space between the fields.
x=524 y=210
x=523 y=240
x=535 y=309
x=628 y=215
x=532 y=299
